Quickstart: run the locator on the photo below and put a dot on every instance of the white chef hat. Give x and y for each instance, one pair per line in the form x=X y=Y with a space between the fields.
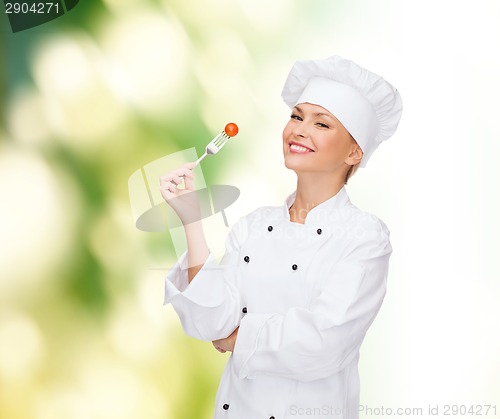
x=368 y=106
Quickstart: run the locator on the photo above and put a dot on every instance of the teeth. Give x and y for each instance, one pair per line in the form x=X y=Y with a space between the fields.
x=298 y=148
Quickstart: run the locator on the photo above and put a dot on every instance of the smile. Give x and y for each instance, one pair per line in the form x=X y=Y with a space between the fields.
x=296 y=148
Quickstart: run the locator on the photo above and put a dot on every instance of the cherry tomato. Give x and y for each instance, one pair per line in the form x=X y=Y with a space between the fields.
x=231 y=129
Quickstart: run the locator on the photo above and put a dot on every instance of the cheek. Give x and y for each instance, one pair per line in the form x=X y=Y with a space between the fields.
x=332 y=147
x=287 y=130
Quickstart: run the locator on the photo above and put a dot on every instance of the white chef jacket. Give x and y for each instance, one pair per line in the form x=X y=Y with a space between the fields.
x=303 y=296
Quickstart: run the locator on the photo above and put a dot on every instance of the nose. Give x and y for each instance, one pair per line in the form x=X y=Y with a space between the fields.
x=299 y=130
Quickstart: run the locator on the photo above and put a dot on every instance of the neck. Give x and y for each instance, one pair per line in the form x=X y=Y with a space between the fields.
x=313 y=189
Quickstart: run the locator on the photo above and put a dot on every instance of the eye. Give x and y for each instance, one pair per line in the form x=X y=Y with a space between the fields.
x=322 y=125
x=296 y=117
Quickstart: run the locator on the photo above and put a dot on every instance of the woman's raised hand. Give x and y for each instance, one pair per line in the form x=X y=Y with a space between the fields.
x=184 y=201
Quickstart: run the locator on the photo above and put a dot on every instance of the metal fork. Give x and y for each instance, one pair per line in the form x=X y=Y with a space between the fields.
x=214 y=146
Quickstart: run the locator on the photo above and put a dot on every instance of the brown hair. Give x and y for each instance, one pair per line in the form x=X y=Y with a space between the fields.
x=350 y=172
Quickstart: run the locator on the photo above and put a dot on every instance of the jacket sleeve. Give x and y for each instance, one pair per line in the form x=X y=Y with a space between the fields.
x=209 y=307
x=307 y=344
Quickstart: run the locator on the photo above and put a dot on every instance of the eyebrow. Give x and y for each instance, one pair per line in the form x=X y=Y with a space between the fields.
x=315 y=113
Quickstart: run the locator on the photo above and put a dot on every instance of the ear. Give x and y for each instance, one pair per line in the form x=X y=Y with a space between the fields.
x=355 y=156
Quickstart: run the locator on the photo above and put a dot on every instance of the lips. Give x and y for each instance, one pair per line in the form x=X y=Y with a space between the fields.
x=299 y=148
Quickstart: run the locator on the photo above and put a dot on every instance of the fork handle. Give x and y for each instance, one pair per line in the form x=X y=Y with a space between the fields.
x=200 y=159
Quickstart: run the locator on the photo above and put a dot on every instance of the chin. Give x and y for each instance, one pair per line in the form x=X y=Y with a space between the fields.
x=296 y=165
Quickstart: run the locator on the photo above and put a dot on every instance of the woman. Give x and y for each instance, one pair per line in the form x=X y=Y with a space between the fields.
x=299 y=285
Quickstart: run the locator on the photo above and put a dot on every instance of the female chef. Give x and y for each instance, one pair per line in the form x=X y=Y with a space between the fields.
x=300 y=284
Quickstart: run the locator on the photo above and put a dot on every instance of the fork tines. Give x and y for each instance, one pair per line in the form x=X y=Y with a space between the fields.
x=221 y=139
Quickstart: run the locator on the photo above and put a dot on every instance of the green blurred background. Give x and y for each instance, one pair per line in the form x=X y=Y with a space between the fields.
x=114 y=84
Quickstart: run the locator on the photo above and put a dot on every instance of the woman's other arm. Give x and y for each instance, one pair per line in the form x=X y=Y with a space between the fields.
x=312 y=343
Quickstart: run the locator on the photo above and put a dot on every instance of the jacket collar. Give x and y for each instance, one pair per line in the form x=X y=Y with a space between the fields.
x=322 y=211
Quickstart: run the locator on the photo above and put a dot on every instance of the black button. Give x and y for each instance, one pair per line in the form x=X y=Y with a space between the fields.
x=244 y=310
x=246 y=259
x=319 y=231
x=225 y=407
x=294 y=267
x=270 y=228
x=272 y=417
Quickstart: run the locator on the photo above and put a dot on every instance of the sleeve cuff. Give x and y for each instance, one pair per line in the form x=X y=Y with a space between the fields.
x=176 y=280
x=206 y=289
x=246 y=343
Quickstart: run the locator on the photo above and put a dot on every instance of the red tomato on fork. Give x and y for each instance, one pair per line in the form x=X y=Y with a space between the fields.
x=231 y=129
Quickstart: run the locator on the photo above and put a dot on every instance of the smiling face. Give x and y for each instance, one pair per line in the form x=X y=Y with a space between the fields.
x=315 y=141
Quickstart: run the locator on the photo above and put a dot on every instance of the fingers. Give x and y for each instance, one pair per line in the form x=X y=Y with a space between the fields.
x=169 y=183
x=178 y=175
x=169 y=189
x=218 y=348
x=189 y=183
